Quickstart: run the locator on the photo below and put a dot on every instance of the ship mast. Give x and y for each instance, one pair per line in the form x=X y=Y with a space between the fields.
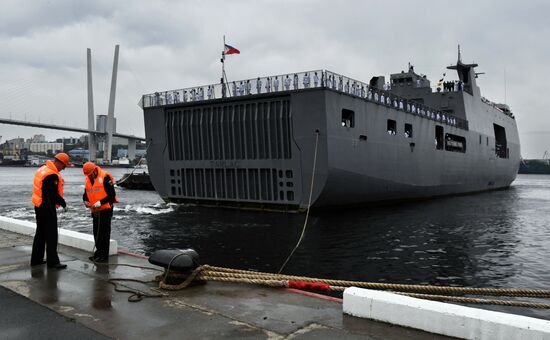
x=223 y=69
x=466 y=73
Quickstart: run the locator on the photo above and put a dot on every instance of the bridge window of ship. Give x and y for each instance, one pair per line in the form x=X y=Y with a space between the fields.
x=348 y=118
x=392 y=127
x=439 y=137
x=455 y=143
x=408 y=130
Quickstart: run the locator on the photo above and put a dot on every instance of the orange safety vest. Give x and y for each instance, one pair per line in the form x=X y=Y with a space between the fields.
x=43 y=172
x=96 y=192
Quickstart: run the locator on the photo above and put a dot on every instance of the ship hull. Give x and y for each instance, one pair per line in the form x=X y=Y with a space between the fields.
x=291 y=150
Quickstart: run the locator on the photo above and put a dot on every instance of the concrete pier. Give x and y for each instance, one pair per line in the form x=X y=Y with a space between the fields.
x=442 y=318
x=65 y=237
x=82 y=294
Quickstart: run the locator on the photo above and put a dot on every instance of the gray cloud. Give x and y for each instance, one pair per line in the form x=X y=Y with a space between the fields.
x=21 y=18
x=175 y=44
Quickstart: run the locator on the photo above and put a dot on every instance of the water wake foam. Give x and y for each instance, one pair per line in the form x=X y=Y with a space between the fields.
x=147 y=209
x=19 y=213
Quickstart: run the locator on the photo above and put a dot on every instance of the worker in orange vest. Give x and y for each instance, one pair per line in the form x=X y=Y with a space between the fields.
x=99 y=196
x=46 y=197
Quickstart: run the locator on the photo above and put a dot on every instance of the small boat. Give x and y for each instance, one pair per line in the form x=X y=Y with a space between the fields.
x=136 y=181
x=534 y=166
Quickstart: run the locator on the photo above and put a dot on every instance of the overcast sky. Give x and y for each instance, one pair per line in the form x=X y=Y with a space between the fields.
x=175 y=44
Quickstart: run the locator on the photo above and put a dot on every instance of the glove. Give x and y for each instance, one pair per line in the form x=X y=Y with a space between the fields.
x=65 y=209
x=96 y=205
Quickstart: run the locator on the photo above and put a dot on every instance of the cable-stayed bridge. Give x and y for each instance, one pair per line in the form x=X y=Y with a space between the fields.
x=108 y=131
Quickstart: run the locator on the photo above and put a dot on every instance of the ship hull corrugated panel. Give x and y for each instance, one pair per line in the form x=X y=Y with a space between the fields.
x=239 y=152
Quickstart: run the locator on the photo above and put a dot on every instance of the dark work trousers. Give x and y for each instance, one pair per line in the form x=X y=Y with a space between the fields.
x=102 y=232
x=46 y=236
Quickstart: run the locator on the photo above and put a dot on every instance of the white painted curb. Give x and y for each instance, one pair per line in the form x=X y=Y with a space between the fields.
x=66 y=237
x=442 y=318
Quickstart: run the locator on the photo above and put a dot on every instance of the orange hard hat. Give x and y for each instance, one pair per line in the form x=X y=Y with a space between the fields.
x=63 y=158
x=88 y=168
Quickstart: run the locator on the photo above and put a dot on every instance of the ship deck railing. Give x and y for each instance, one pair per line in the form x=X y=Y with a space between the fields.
x=316 y=79
x=495 y=105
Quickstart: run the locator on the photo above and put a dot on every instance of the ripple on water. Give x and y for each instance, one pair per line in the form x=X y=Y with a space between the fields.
x=20 y=213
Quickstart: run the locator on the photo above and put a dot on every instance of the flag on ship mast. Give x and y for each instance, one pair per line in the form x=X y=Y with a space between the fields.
x=228 y=49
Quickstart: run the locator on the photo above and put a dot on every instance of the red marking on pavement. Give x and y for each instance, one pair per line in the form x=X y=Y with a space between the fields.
x=126 y=252
x=315 y=295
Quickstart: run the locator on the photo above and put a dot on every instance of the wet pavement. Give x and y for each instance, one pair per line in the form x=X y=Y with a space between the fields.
x=24 y=319
x=82 y=294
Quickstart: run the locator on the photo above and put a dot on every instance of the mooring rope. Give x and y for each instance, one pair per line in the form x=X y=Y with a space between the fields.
x=206 y=273
x=136 y=295
x=220 y=274
x=308 y=203
x=461 y=299
x=211 y=271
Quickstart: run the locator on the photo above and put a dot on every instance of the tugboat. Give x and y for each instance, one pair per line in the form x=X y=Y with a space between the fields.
x=535 y=166
x=136 y=181
x=287 y=140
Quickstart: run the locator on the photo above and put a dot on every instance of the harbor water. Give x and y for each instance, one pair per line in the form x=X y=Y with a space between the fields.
x=491 y=239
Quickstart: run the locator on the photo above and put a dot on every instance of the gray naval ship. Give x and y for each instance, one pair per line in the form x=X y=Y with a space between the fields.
x=318 y=138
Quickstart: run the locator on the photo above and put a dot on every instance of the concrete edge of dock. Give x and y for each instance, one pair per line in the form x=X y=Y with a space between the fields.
x=441 y=318
x=68 y=238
